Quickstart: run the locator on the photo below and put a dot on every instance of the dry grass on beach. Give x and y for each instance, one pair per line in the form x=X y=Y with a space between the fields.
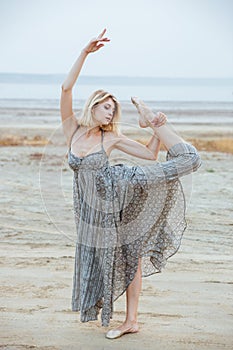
x=224 y=144
x=18 y=140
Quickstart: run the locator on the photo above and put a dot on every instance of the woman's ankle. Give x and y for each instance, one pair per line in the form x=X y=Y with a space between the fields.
x=131 y=321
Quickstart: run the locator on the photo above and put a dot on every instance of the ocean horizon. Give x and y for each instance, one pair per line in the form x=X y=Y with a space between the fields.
x=24 y=86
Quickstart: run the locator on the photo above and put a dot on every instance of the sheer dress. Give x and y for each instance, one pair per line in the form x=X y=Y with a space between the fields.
x=123 y=213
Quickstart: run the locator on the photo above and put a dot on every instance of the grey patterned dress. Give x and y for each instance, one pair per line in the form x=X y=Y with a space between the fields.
x=123 y=213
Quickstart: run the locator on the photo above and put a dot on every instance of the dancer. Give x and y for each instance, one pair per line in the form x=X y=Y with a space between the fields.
x=129 y=219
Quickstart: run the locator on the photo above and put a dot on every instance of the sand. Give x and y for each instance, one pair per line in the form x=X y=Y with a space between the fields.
x=187 y=306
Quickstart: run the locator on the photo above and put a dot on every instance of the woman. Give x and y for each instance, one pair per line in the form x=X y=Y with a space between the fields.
x=129 y=219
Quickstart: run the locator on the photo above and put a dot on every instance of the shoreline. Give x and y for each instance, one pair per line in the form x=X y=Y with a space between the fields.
x=208 y=125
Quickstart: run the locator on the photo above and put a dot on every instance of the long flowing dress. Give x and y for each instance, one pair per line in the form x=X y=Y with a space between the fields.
x=123 y=213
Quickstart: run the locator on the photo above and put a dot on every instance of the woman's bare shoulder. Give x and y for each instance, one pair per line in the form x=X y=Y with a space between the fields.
x=112 y=136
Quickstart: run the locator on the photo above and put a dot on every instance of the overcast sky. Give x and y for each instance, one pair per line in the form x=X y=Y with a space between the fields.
x=160 y=38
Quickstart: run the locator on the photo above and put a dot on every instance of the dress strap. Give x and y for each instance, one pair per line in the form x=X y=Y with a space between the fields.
x=73 y=136
x=102 y=138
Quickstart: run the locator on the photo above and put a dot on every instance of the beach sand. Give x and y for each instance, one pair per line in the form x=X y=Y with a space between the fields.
x=187 y=306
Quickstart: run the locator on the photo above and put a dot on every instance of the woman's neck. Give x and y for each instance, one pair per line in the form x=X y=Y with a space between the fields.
x=94 y=130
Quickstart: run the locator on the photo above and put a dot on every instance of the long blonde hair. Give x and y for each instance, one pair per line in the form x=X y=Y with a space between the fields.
x=86 y=118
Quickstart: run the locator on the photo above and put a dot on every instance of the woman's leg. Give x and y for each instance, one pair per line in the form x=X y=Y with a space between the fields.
x=132 y=298
x=130 y=324
x=167 y=136
x=165 y=133
x=184 y=159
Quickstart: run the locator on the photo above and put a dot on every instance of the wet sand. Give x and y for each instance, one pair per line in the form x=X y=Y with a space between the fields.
x=187 y=306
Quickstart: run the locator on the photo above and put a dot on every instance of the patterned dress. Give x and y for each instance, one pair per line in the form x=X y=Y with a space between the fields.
x=123 y=213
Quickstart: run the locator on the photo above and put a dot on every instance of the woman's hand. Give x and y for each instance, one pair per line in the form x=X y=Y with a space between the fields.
x=159 y=120
x=96 y=43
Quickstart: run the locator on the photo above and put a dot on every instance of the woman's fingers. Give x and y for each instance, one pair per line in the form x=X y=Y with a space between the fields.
x=100 y=40
x=100 y=37
x=159 y=120
x=95 y=44
x=98 y=46
x=101 y=34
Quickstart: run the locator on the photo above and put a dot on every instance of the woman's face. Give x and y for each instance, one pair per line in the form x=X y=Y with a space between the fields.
x=103 y=112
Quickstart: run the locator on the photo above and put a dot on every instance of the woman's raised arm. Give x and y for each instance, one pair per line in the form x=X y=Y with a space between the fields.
x=68 y=120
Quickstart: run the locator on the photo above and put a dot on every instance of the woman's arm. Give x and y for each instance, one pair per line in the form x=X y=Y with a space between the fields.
x=134 y=148
x=154 y=145
x=68 y=120
x=151 y=150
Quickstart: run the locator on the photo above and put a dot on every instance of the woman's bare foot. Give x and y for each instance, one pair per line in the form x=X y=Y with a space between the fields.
x=126 y=327
x=145 y=113
x=147 y=117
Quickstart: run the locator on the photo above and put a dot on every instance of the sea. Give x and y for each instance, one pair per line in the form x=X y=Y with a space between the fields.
x=43 y=91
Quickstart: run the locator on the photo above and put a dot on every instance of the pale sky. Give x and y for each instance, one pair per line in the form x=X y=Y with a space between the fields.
x=158 y=38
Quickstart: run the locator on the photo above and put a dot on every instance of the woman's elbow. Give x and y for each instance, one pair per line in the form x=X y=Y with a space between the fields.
x=65 y=88
x=154 y=157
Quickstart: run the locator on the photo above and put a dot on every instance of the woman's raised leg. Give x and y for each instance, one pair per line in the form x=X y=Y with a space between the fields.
x=184 y=158
x=148 y=118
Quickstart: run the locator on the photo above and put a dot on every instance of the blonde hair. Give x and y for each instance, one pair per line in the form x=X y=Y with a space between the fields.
x=99 y=96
